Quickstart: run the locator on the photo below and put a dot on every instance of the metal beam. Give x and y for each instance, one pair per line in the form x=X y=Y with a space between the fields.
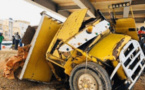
x=86 y=4
x=49 y=7
x=136 y=2
x=126 y=10
x=64 y=13
x=69 y=7
x=121 y=16
x=139 y=20
x=121 y=13
x=46 y=3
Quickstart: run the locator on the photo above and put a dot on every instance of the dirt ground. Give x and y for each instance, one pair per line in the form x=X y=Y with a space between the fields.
x=6 y=84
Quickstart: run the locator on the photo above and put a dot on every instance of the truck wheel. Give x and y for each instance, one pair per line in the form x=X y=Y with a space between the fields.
x=92 y=78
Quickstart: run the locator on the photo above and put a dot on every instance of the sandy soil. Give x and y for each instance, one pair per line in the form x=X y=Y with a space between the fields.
x=6 y=84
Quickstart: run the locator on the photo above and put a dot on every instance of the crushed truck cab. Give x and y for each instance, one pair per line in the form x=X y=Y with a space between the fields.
x=88 y=52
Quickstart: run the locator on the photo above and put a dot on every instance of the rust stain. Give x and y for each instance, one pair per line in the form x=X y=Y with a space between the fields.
x=79 y=54
x=115 y=51
x=79 y=43
x=73 y=65
x=72 y=59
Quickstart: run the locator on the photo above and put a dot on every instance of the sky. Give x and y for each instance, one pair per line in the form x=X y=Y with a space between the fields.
x=20 y=10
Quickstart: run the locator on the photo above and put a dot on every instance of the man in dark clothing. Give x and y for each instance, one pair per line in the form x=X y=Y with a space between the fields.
x=1 y=39
x=17 y=40
x=13 y=42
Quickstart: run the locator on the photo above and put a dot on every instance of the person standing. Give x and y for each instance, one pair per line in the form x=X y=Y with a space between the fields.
x=17 y=40
x=141 y=32
x=21 y=44
x=13 y=42
x=1 y=39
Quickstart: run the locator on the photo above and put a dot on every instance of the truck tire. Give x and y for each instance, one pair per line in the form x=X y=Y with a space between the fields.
x=92 y=78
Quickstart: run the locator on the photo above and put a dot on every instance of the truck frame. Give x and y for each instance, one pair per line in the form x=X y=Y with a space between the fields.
x=91 y=55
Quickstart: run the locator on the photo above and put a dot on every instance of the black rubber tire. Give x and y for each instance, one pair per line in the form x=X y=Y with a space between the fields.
x=95 y=70
x=17 y=73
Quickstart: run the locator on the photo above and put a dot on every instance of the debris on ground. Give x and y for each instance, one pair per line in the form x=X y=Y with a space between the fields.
x=14 y=62
x=6 y=84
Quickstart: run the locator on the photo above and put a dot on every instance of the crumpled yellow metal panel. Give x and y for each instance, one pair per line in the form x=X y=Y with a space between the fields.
x=70 y=27
x=102 y=50
x=109 y=47
x=36 y=67
x=123 y=26
x=77 y=57
x=71 y=62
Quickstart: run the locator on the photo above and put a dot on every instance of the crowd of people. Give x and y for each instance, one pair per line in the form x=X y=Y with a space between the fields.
x=16 y=40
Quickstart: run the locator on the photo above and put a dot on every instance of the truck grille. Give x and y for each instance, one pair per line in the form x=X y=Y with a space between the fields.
x=133 y=61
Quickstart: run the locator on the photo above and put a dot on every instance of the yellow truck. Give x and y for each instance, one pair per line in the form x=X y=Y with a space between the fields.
x=91 y=55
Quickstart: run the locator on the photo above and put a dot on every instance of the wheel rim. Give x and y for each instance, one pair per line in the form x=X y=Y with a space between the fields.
x=87 y=82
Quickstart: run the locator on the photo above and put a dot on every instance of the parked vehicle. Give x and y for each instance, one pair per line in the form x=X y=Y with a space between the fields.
x=6 y=45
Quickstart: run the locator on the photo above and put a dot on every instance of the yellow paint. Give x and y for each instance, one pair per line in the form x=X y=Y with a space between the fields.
x=90 y=28
x=50 y=31
x=96 y=22
x=70 y=27
x=37 y=68
x=86 y=86
x=123 y=25
x=75 y=59
x=120 y=71
x=104 y=49
x=99 y=37
x=132 y=12
x=80 y=59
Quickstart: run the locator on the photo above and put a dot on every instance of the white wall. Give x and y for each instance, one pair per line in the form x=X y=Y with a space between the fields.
x=23 y=27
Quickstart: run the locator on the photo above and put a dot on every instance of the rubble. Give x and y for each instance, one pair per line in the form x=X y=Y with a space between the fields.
x=14 y=62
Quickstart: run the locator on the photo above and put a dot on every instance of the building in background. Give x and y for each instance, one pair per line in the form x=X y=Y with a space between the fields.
x=23 y=25
x=10 y=27
x=1 y=25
